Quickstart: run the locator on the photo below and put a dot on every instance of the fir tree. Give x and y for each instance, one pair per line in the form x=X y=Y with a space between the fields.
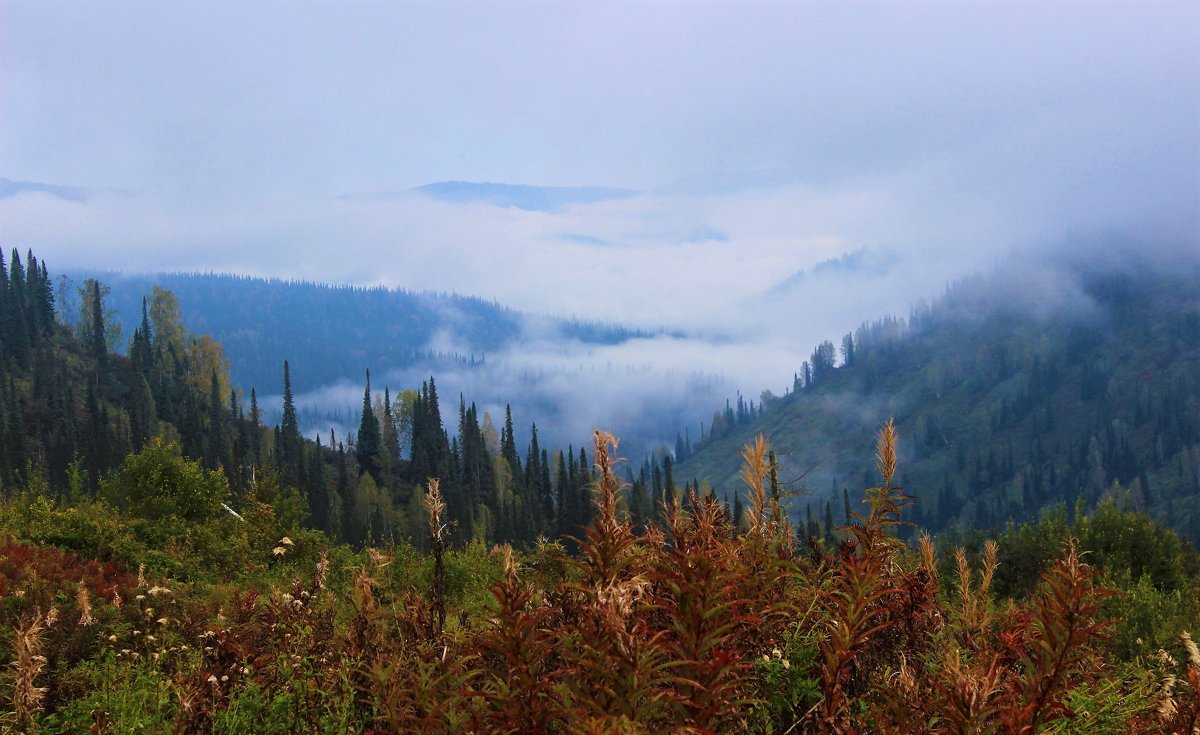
x=217 y=445
x=95 y=338
x=508 y=443
x=287 y=448
x=391 y=436
x=320 y=506
x=368 y=443
x=562 y=482
x=256 y=428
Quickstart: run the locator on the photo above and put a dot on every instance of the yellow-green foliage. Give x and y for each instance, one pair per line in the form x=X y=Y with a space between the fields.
x=158 y=483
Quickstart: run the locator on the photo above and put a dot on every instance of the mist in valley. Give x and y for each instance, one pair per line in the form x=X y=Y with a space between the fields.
x=768 y=187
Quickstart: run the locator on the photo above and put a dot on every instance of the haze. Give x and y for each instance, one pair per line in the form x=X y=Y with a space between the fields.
x=761 y=139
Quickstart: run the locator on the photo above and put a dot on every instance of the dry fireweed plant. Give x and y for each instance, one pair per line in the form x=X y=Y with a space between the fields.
x=863 y=580
x=1177 y=708
x=420 y=677
x=27 y=665
x=896 y=661
x=690 y=626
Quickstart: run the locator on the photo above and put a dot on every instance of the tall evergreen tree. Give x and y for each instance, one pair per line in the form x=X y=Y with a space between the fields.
x=345 y=493
x=40 y=296
x=391 y=436
x=96 y=340
x=218 y=442
x=12 y=318
x=508 y=443
x=256 y=427
x=585 y=479
x=6 y=310
x=562 y=482
x=319 y=501
x=287 y=449
x=430 y=452
x=546 y=494
x=369 y=443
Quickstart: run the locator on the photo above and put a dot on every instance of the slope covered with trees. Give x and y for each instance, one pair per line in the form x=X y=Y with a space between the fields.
x=169 y=563
x=74 y=412
x=335 y=332
x=1057 y=378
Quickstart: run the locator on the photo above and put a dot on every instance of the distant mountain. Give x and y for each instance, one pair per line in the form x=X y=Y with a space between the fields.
x=863 y=261
x=10 y=188
x=332 y=333
x=1014 y=392
x=531 y=198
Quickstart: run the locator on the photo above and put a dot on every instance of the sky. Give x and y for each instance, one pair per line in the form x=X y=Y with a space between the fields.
x=284 y=139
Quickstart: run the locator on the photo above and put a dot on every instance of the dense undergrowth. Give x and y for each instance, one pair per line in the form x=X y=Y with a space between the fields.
x=120 y=623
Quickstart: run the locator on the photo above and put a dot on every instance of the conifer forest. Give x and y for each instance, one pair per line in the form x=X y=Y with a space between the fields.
x=599 y=367
x=172 y=563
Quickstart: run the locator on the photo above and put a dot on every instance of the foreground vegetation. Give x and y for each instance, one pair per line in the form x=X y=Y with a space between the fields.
x=127 y=616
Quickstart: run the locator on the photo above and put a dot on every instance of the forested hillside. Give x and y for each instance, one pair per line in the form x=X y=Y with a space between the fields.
x=334 y=332
x=1054 y=379
x=76 y=413
x=169 y=563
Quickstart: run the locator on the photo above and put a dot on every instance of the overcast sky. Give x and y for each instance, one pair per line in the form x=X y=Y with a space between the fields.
x=215 y=100
x=764 y=137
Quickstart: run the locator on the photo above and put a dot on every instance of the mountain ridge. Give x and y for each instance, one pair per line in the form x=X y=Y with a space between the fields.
x=1002 y=411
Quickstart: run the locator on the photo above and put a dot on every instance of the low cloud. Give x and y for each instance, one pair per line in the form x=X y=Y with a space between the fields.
x=740 y=316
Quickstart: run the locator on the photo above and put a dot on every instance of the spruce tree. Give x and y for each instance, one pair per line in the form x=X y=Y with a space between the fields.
x=583 y=489
x=97 y=344
x=6 y=310
x=345 y=494
x=546 y=494
x=287 y=449
x=255 y=430
x=140 y=349
x=508 y=443
x=319 y=503
x=561 y=483
x=40 y=296
x=391 y=437
x=368 y=443
x=218 y=444
x=532 y=485
x=12 y=317
x=430 y=455
x=237 y=448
